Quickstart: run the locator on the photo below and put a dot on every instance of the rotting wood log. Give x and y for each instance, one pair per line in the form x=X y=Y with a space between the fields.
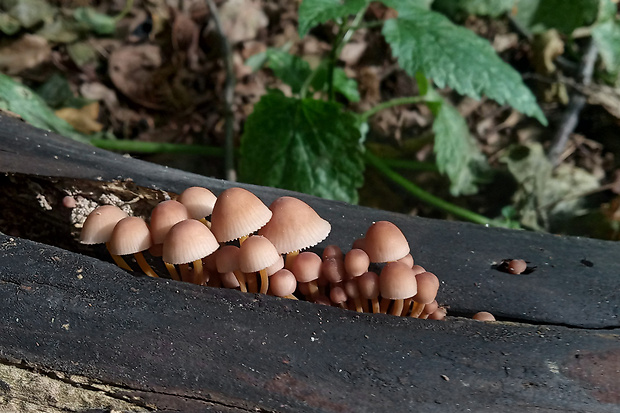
x=165 y=345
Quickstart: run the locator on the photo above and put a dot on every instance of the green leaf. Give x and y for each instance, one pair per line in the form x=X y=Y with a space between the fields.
x=607 y=38
x=23 y=101
x=457 y=154
x=454 y=56
x=97 y=22
x=493 y=8
x=565 y=16
x=305 y=145
x=314 y=12
x=344 y=85
x=31 y=12
x=291 y=69
x=404 y=5
x=8 y=24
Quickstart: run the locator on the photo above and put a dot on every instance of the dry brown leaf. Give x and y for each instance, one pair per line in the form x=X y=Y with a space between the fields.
x=242 y=19
x=84 y=119
x=27 y=52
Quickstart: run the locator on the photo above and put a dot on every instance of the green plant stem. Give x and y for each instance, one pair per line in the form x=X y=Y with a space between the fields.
x=410 y=165
x=389 y=103
x=126 y=9
x=122 y=145
x=424 y=196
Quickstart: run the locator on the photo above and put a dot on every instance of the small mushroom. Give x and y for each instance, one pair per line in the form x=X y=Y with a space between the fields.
x=131 y=235
x=227 y=261
x=237 y=213
x=384 y=242
x=256 y=254
x=98 y=227
x=368 y=286
x=396 y=283
x=283 y=284
x=187 y=242
x=163 y=217
x=307 y=269
x=199 y=202
x=483 y=316
x=428 y=285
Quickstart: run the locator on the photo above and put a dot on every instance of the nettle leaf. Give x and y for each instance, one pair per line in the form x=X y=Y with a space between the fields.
x=404 y=5
x=314 y=12
x=454 y=56
x=305 y=145
x=457 y=154
x=607 y=38
x=565 y=16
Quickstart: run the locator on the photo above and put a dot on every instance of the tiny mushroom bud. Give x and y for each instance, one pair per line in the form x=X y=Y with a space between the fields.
x=227 y=261
x=516 y=266
x=368 y=286
x=163 y=217
x=356 y=263
x=283 y=284
x=483 y=316
x=307 y=269
x=439 y=314
x=384 y=242
x=131 y=235
x=338 y=296
x=428 y=285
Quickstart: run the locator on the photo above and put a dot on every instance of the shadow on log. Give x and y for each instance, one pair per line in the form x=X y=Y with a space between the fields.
x=149 y=344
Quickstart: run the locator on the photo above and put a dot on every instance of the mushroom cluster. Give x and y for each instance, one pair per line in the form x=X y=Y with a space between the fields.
x=236 y=241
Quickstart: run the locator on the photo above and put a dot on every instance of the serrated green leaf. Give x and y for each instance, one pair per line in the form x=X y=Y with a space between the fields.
x=305 y=145
x=454 y=56
x=22 y=100
x=291 y=69
x=457 y=154
x=344 y=85
x=607 y=38
x=97 y=22
x=565 y=16
x=491 y=8
x=314 y=12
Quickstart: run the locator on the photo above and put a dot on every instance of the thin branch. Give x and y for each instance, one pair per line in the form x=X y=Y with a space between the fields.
x=124 y=145
x=229 y=94
x=388 y=104
x=424 y=196
x=576 y=104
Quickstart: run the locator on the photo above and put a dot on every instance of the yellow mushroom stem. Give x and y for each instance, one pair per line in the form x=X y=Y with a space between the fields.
x=145 y=265
x=204 y=221
x=241 y=279
x=291 y=297
x=264 y=281
x=118 y=259
x=417 y=309
x=358 y=305
x=406 y=306
x=186 y=272
x=383 y=307
x=252 y=282
x=290 y=259
x=397 y=307
x=173 y=271
x=242 y=239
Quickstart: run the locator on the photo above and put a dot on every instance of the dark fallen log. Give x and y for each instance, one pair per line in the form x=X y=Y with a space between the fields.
x=158 y=344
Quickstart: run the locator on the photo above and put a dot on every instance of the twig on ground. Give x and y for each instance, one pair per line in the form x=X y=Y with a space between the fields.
x=229 y=92
x=577 y=102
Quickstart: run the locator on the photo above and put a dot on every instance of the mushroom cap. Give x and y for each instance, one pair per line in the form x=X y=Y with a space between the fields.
x=188 y=241
x=356 y=262
x=397 y=281
x=384 y=242
x=368 y=285
x=430 y=308
x=229 y=280
x=199 y=201
x=407 y=259
x=516 y=266
x=282 y=283
x=99 y=224
x=227 y=259
x=131 y=235
x=483 y=316
x=428 y=285
x=338 y=295
x=332 y=269
x=275 y=267
x=257 y=253
x=306 y=266
x=294 y=225
x=164 y=216
x=439 y=314
x=237 y=213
